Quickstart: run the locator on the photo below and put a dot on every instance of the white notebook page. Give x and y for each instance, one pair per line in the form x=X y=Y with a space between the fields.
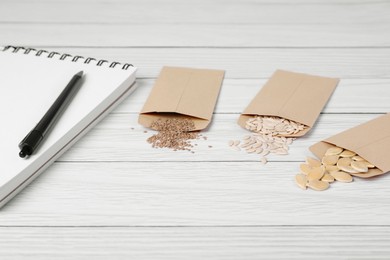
x=29 y=85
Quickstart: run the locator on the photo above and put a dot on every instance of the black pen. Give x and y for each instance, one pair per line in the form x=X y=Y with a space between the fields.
x=30 y=143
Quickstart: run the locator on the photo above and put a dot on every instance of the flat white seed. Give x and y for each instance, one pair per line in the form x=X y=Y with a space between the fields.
x=342 y=176
x=252 y=150
x=327 y=177
x=236 y=148
x=359 y=166
x=280 y=127
x=264 y=152
x=259 y=150
x=318 y=185
x=347 y=153
x=272 y=148
x=330 y=159
x=246 y=137
x=252 y=141
x=263 y=160
x=231 y=142
x=305 y=168
x=244 y=146
x=256 y=145
x=281 y=151
x=301 y=181
x=333 y=151
x=236 y=142
x=313 y=162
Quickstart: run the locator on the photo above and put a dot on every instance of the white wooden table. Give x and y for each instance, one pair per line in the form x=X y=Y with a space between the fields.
x=112 y=196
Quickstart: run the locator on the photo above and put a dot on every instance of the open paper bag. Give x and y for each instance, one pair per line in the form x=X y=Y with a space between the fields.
x=183 y=93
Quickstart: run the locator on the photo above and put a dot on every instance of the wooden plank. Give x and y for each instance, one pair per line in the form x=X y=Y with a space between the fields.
x=196 y=12
x=251 y=63
x=197 y=243
x=192 y=193
x=351 y=96
x=114 y=140
x=195 y=35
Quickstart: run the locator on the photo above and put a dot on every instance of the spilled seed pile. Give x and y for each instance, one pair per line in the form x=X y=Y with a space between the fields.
x=174 y=133
x=265 y=137
x=338 y=164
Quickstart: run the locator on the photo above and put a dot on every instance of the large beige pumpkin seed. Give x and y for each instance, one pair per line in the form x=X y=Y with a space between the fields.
x=334 y=151
x=318 y=185
x=342 y=176
x=369 y=165
x=327 y=177
x=305 y=168
x=348 y=169
x=357 y=158
x=347 y=153
x=344 y=162
x=330 y=159
x=301 y=181
x=313 y=162
x=331 y=168
x=359 y=166
x=316 y=173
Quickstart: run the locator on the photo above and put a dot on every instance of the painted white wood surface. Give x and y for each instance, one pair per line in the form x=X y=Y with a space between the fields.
x=112 y=196
x=248 y=63
x=319 y=242
x=192 y=194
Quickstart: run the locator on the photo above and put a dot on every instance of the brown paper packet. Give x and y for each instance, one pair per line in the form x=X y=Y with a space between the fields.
x=294 y=96
x=183 y=93
x=370 y=140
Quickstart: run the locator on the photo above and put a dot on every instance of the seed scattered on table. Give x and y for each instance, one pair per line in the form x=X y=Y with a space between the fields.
x=313 y=162
x=301 y=181
x=318 y=185
x=174 y=133
x=337 y=164
x=267 y=136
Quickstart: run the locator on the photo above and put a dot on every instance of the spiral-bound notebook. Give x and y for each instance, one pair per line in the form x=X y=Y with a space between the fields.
x=30 y=81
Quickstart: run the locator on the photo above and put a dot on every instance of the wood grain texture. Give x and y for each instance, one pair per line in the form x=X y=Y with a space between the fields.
x=192 y=193
x=114 y=197
x=114 y=140
x=236 y=94
x=196 y=243
x=284 y=12
x=242 y=63
x=198 y=35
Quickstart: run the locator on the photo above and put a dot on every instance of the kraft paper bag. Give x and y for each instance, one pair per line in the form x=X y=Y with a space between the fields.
x=294 y=96
x=183 y=93
x=370 y=140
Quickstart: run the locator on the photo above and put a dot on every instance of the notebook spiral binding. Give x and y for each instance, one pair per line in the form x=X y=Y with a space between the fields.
x=63 y=56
